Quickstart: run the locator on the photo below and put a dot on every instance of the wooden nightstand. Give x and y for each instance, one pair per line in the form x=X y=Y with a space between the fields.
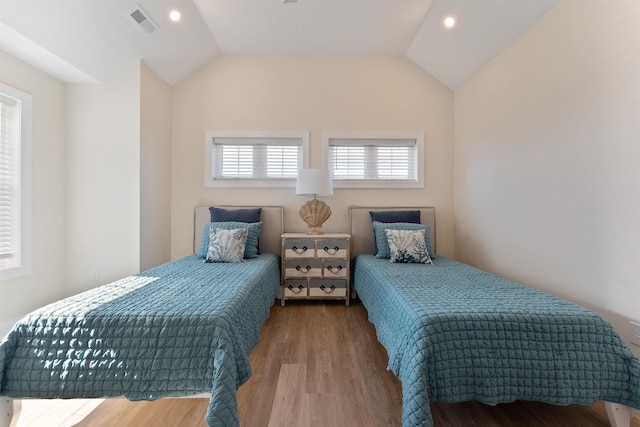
x=315 y=266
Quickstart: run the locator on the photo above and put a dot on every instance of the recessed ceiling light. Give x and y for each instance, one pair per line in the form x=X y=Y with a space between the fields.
x=174 y=15
x=449 y=21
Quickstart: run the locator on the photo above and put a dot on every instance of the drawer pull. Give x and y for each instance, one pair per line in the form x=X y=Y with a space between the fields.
x=299 y=250
x=331 y=251
x=296 y=290
x=324 y=289
x=335 y=270
x=304 y=270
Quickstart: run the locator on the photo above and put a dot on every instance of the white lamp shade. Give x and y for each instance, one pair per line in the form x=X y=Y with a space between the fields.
x=314 y=182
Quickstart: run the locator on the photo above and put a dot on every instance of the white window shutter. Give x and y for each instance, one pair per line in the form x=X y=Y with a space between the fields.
x=375 y=160
x=381 y=159
x=15 y=182
x=255 y=158
x=9 y=175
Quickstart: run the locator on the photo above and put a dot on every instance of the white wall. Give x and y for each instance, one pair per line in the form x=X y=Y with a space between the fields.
x=45 y=283
x=103 y=180
x=155 y=169
x=314 y=93
x=547 y=159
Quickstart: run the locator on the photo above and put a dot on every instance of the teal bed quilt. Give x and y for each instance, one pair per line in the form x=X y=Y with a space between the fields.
x=454 y=333
x=183 y=328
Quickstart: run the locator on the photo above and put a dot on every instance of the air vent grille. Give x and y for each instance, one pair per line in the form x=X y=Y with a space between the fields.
x=138 y=16
x=142 y=21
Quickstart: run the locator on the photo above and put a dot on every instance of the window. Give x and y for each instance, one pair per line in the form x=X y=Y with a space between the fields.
x=375 y=160
x=15 y=154
x=255 y=159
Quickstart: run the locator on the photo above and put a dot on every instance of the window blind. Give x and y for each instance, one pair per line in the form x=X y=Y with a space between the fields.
x=373 y=159
x=9 y=174
x=256 y=157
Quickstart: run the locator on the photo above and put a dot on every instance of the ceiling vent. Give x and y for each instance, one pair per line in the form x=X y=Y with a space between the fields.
x=140 y=18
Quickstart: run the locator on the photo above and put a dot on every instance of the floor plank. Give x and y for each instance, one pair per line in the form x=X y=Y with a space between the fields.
x=290 y=401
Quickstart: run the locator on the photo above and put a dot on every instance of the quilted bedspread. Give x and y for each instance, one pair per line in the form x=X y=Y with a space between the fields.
x=183 y=328
x=454 y=333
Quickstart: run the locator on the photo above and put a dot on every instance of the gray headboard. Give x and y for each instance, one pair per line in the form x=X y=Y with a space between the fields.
x=272 y=225
x=362 y=240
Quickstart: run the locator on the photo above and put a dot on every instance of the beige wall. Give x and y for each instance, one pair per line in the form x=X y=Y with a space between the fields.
x=103 y=180
x=547 y=159
x=101 y=159
x=315 y=94
x=155 y=169
x=45 y=283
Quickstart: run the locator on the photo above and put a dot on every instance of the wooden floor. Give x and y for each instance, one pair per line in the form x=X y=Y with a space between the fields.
x=317 y=364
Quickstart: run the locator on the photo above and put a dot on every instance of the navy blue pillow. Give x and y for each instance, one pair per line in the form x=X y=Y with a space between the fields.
x=408 y=217
x=411 y=217
x=235 y=215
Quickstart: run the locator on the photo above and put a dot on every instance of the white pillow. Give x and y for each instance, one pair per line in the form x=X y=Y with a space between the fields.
x=408 y=246
x=227 y=245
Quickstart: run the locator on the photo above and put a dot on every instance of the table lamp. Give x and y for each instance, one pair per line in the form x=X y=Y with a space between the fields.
x=316 y=182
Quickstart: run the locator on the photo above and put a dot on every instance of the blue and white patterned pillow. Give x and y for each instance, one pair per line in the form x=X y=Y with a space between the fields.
x=227 y=245
x=408 y=246
x=251 y=247
x=411 y=217
x=379 y=231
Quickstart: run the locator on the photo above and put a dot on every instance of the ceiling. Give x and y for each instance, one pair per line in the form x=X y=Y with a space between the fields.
x=91 y=40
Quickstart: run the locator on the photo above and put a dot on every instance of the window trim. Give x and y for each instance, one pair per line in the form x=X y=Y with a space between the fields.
x=239 y=182
x=17 y=266
x=377 y=183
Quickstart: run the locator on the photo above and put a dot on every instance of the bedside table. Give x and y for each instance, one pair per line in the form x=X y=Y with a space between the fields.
x=315 y=266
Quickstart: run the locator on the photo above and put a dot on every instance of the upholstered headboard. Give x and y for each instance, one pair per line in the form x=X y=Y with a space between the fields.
x=361 y=229
x=272 y=225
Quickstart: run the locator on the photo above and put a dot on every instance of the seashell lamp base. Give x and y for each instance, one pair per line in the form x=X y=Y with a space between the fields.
x=315 y=212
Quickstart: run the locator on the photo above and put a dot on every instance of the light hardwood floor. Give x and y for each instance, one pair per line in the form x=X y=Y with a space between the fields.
x=317 y=364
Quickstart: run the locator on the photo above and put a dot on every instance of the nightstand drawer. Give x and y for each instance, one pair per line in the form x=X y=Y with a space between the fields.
x=299 y=248
x=332 y=248
x=303 y=268
x=295 y=288
x=335 y=268
x=328 y=288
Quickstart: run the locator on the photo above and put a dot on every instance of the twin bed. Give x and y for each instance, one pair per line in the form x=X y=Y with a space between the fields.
x=453 y=333
x=184 y=328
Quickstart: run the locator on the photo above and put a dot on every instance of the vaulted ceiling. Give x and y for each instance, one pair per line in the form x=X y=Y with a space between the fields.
x=90 y=40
